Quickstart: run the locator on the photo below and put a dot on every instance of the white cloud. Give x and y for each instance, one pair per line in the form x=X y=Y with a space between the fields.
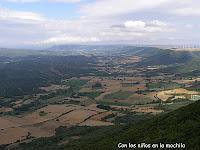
x=64 y=39
x=148 y=26
x=157 y=23
x=103 y=21
x=12 y=14
x=187 y=11
x=64 y=1
x=104 y=8
x=20 y=27
x=34 y=1
x=135 y=24
x=110 y=8
x=20 y=1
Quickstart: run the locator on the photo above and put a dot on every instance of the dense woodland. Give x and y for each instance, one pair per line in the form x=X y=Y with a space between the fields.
x=25 y=75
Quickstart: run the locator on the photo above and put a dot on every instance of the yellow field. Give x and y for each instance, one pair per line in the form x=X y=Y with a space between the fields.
x=164 y=95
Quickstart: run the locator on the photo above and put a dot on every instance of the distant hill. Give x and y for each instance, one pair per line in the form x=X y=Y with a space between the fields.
x=150 y=55
x=66 y=50
x=164 y=57
x=94 y=49
x=8 y=52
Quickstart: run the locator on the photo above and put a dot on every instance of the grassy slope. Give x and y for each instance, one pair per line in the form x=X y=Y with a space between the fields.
x=179 y=126
x=182 y=125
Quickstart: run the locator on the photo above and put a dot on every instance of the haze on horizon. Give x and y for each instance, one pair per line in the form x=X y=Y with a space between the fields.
x=27 y=23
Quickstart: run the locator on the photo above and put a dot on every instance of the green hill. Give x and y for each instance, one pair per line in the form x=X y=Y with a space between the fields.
x=164 y=57
x=180 y=126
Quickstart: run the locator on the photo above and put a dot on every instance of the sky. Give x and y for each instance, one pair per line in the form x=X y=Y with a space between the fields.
x=29 y=23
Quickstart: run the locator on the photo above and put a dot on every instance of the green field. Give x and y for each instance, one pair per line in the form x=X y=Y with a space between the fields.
x=111 y=102
x=91 y=95
x=162 y=86
x=76 y=84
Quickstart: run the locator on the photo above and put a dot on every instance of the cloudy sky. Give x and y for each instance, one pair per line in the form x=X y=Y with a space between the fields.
x=47 y=22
